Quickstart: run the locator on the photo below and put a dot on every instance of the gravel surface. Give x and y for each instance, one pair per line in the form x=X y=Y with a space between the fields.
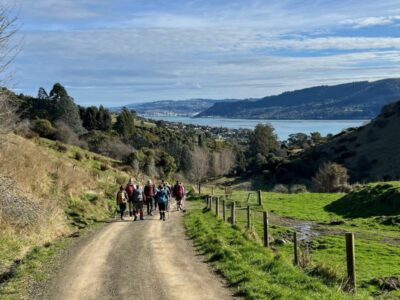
x=148 y=259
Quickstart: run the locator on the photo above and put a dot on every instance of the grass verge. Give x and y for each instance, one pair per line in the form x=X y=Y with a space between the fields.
x=256 y=272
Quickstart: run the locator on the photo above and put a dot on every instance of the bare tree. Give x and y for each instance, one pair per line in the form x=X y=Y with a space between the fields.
x=200 y=164
x=8 y=50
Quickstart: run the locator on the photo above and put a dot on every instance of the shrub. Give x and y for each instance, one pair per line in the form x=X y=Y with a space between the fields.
x=104 y=167
x=44 y=128
x=298 y=188
x=331 y=178
x=79 y=156
x=60 y=147
x=280 y=188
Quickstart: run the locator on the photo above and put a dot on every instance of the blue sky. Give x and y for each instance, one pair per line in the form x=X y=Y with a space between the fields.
x=124 y=51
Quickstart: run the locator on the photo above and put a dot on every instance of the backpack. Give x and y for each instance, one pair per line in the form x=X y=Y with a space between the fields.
x=138 y=195
x=162 y=196
x=130 y=188
x=149 y=190
x=121 y=197
x=179 y=191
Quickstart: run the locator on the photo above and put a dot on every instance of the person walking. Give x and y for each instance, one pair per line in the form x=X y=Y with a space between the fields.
x=149 y=192
x=168 y=189
x=162 y=200
x=138 y=199
x=122 y=198
x=130 y=188
x=179 y=193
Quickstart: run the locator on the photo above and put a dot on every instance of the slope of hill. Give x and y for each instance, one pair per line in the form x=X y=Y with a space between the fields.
x=186 y=108
x=49 y=190
x=356 y=100
x=370 y=152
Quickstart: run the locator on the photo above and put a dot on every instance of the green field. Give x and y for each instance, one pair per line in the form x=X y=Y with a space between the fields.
x=322 y=220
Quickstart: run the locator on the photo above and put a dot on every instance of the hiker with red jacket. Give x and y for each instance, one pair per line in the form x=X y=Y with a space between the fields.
x=149 y=192
x=130 y=188
x=179 y=193
x=139 y=199
x=122 y=198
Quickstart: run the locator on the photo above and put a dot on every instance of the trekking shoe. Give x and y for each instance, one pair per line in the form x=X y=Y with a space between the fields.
x=135 y=218
x=141 y=218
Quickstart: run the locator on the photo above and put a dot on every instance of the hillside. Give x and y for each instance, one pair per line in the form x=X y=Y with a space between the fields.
x=186 y=108
x=50 y=190
x=369 y=152
x=356 y=100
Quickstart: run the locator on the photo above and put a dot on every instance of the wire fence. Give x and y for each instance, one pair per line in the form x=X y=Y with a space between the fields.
x=245 y=210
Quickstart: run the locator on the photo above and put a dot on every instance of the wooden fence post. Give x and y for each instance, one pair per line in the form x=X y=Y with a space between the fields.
x=207 y=200
x=212 y=190
x=211 y=201
x=199 y=188
x=295 y=248
x=233 y=217
x=351 y=263
x=223 y=210
x=266 y=229
x=217 y=207
x=248 y=217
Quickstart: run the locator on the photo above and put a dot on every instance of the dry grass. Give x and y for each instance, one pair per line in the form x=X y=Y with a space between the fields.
x=46 y=185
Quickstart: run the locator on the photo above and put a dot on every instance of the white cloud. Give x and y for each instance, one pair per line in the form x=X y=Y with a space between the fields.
x=371 y=21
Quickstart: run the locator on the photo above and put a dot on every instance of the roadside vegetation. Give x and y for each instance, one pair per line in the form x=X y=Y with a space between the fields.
x=256 y=272
x=321 y=219
x=48 y=191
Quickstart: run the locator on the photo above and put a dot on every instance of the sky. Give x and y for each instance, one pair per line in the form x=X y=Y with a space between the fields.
x=125 y=51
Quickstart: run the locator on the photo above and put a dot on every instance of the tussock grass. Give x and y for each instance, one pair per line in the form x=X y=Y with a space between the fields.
x=64 y=189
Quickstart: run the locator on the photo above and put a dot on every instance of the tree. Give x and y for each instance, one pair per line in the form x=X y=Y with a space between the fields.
x=125 y=124
x=66 y=110
x=316 y=138
x=9 y=48
x=263 y=140
x=90 y=121
x=200 y=164
x=331 y=178
x=42 y=94
x=185 y=163
x=298 y=140
x=58 y=92
x=104 y=119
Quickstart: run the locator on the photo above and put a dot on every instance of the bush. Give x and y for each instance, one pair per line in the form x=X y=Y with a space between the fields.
x=104 y=167
x=298 y=188
x=79 y=156
x=331 y=178
x=60 y=147
x=44 y=128
x=280 y=188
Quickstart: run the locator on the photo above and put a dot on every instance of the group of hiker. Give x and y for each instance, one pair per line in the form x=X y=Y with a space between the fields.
x=137 y=197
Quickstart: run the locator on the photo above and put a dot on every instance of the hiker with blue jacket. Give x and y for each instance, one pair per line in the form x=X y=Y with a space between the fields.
x=162 y=196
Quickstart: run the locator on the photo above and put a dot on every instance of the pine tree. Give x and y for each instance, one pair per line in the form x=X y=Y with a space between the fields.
x=66 y=110
x=104 y=119
x=90 y=121
x=125 y=124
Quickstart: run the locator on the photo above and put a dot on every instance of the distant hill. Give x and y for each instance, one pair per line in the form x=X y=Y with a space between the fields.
x=370 y=152
x=186 y=108
x=356 y=100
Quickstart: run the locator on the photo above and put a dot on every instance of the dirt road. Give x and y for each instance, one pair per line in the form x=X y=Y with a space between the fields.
x=148 y=259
